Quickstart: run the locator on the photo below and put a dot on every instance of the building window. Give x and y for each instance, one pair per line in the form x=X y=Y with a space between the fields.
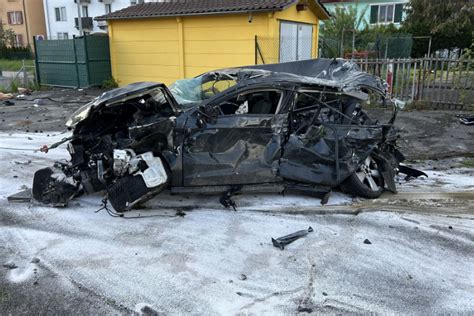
x=15 y=17
x=63 y=35
x=108 y=8
x=85 y=11
x=134 y=2
x=18 y=40
x=60 y=14
x=386 y=13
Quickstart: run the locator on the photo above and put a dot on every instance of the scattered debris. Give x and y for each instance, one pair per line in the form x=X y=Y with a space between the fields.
x=242 y=277
x=5 y=96
x=302 y=309
x=35 y=260
x=367 y=242
x=10 y=265
x=8 y=103
x=24 y=196
x=281 y=242
x=23 y=162
x=23 y=122
x=38 y=102
x=25 y=91
x=466 y=119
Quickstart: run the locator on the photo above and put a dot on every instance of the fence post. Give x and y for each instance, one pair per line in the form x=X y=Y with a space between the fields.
x=37 y=72
x=87 y=60
x=255 y=44
x=75 y=61
x=25 y=74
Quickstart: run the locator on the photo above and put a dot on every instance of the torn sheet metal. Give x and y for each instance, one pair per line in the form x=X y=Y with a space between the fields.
x=281 y=242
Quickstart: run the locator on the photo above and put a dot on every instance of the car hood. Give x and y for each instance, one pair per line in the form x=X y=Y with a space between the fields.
x=133 y=89
x=113 y=96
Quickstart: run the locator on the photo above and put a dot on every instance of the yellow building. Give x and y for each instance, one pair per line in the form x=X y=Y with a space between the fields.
x=166 y=41
x=25 y=18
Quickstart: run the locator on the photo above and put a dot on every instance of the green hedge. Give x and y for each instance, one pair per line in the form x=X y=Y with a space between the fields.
x=15 y=53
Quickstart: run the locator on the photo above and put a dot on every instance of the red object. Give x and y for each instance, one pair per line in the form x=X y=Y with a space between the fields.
x=390 y=78
x=44 y=149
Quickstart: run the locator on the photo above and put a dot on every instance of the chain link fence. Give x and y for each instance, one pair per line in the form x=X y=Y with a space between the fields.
x=270 y=50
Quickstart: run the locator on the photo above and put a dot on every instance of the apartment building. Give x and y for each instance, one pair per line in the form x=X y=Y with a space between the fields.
x=62 y=16
x=375 y=12
x=25 y=18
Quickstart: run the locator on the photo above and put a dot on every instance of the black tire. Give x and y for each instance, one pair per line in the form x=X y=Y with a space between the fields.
x=366 y=182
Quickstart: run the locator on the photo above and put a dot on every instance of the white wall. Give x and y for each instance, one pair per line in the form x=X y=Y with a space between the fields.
x=95 y=9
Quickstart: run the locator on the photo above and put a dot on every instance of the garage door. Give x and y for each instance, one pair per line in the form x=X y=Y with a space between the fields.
x=296 y=41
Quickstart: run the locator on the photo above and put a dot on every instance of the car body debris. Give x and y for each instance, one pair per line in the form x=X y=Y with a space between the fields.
x=466 y=119
x=281 y=242
x=297 y=126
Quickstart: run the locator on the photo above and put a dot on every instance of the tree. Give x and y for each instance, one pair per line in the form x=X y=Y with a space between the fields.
x=7 y=37
x=344 y=21
x=449 y=22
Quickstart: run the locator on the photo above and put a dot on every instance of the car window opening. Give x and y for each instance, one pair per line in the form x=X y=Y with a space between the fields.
x=259 y=102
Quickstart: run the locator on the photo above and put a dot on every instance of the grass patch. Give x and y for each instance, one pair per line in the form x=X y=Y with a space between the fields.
x=468 y=163
x=14 y=64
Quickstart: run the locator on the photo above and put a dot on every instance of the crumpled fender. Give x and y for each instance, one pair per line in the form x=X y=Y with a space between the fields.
x=387 y=163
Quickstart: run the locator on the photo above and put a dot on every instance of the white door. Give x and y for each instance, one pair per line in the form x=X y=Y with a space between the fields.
x=305 y=41
x=296 y=41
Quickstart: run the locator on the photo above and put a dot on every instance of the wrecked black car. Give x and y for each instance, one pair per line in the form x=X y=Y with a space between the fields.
x=297 y=126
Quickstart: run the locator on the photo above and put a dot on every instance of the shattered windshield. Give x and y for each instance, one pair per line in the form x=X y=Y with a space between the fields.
x=188 y=92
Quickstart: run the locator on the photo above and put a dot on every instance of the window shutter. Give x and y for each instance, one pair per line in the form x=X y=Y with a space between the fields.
x=19 y=40
x=9 y=18
x=374 y=14
x=398 y=12
x=20 y=17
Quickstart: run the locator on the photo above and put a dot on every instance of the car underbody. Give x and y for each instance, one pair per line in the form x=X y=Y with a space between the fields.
x=296 y=127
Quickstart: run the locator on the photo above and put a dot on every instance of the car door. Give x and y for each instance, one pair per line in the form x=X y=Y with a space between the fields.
x=240 y=145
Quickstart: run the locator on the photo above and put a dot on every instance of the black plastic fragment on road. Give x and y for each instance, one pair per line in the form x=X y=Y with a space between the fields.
x=281 y=242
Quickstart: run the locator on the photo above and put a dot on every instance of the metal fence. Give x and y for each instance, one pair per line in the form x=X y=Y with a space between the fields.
x=370 y=45
x=79 y=62
x=439 y=82
x=271 y=50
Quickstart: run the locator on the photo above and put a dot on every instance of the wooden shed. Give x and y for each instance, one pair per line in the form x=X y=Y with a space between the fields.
x=166 y=41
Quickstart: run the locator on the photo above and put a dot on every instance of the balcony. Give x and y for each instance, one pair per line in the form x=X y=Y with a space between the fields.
x=82 y=1
x=102 y=24
x=87 y=23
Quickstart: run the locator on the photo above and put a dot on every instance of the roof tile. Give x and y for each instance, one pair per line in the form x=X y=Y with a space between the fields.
x=196 y=7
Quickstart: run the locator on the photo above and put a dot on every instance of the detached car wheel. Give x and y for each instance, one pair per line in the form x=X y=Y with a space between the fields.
x=366 y=182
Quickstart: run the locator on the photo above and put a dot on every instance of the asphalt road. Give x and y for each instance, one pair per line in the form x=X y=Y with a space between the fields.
x=406 y=253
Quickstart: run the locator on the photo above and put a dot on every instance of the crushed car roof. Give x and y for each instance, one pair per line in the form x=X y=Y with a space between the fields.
x=341 y=74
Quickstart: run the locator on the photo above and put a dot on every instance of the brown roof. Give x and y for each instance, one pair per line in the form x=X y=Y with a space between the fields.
x=199 y=7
